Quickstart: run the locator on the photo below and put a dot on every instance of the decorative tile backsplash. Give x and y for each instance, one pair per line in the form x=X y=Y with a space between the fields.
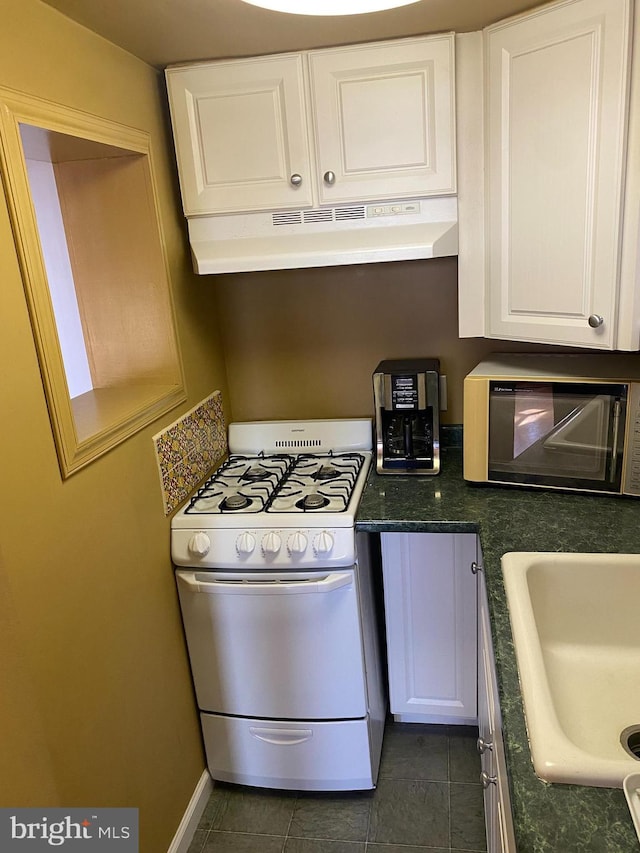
x=189 y=448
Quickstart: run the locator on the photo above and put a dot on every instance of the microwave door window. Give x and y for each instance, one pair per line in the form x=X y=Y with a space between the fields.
x=532 y=418
x=519 y=416
x=579 y=443
x=551 y=434
x=584 y=432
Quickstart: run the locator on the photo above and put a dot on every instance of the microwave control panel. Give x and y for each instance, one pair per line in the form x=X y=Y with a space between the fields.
x=631 y=473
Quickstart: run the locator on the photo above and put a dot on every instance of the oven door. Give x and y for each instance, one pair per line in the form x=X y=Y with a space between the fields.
x=563 y=434
x=284 y=645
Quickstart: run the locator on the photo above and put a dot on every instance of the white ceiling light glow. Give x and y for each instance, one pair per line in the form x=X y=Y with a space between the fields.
x=329 y=7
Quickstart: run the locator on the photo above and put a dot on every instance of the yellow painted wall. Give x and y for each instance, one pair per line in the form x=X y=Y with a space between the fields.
x=96 y=704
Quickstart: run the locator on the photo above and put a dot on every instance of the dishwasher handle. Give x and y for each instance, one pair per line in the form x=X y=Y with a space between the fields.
x=242 y=586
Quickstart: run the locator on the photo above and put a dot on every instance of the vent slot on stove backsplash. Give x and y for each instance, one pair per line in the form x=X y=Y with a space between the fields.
x=299 y=442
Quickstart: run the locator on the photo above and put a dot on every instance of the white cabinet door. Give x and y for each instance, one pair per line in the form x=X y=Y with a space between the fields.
x=431 y=618
x=549 y=236
x=556 y=108
x=384 y=119
x=629 y=302
x=381 y=121
x=497 y=800
x=486 y=724
x=240 y=132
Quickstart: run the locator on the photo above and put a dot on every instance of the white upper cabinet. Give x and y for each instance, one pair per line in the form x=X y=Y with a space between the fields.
x=368 y=122
x=545 y=264
x=383 y=119
x=240 y=134
x=555 y=129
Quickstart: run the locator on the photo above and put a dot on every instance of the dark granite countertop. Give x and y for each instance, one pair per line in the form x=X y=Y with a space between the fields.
x=547 y=817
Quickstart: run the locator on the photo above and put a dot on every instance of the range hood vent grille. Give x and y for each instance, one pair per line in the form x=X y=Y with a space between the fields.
x=289 y=217
x=325 y=214
x=343 y=213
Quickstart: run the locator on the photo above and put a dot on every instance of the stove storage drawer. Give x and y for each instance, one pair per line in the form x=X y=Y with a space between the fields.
x=305 y=756
x=275 y=644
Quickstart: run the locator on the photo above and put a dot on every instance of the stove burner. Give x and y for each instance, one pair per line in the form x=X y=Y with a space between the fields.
x=234 y=502
x=312 y=501
x=326 y=472
x=254 y=475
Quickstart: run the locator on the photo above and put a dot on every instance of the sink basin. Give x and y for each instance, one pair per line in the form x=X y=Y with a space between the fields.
x=575 y=620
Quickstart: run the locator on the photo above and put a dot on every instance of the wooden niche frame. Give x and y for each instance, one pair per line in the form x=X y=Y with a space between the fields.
x=107 y=202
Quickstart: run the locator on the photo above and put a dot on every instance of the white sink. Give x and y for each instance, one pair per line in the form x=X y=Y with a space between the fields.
x=576 y=627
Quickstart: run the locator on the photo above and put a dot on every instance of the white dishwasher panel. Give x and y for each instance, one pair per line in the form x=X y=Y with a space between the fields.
x=278 y=645
x=315 y=756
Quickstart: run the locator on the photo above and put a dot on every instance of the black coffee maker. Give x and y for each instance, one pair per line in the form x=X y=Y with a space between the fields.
x=406 y=395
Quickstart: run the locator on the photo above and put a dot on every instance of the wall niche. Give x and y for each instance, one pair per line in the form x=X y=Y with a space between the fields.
x=81 y=194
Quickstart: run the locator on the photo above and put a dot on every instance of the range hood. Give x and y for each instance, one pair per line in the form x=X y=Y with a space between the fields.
x=327 y=236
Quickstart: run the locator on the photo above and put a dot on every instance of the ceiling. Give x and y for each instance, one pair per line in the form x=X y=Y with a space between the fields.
x=163 y=32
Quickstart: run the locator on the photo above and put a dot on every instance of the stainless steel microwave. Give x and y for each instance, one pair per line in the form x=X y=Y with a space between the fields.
x=554 y=421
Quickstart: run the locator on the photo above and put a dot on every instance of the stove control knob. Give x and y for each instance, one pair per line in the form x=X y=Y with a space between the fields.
x=199 y=544
x=245 y=544
x=297 y=544
x=323 y=543
x=271 y=544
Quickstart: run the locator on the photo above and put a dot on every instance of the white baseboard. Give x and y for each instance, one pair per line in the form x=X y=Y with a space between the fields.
x=191 y=818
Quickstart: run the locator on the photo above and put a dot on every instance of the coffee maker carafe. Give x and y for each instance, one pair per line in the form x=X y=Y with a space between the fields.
x=406 y=395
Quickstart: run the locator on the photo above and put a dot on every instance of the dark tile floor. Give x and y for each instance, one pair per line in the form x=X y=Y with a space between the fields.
x=428 y=800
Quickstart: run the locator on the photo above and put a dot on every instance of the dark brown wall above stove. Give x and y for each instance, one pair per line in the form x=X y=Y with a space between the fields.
x=304 y=343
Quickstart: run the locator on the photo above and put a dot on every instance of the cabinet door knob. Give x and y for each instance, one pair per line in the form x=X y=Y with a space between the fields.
x=329 y=178
x=295 y=180
x=475 y=568
x=483 y=745
x=595 y=321
x=486 y=780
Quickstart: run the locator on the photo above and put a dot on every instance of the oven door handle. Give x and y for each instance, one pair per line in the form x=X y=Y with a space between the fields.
x=241 y=586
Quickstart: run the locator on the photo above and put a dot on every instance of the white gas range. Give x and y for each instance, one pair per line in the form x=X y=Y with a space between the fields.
x=278 y=605
x=286 y=497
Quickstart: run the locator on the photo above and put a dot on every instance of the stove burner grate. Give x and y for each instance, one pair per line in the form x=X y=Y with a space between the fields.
x=269 y=483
